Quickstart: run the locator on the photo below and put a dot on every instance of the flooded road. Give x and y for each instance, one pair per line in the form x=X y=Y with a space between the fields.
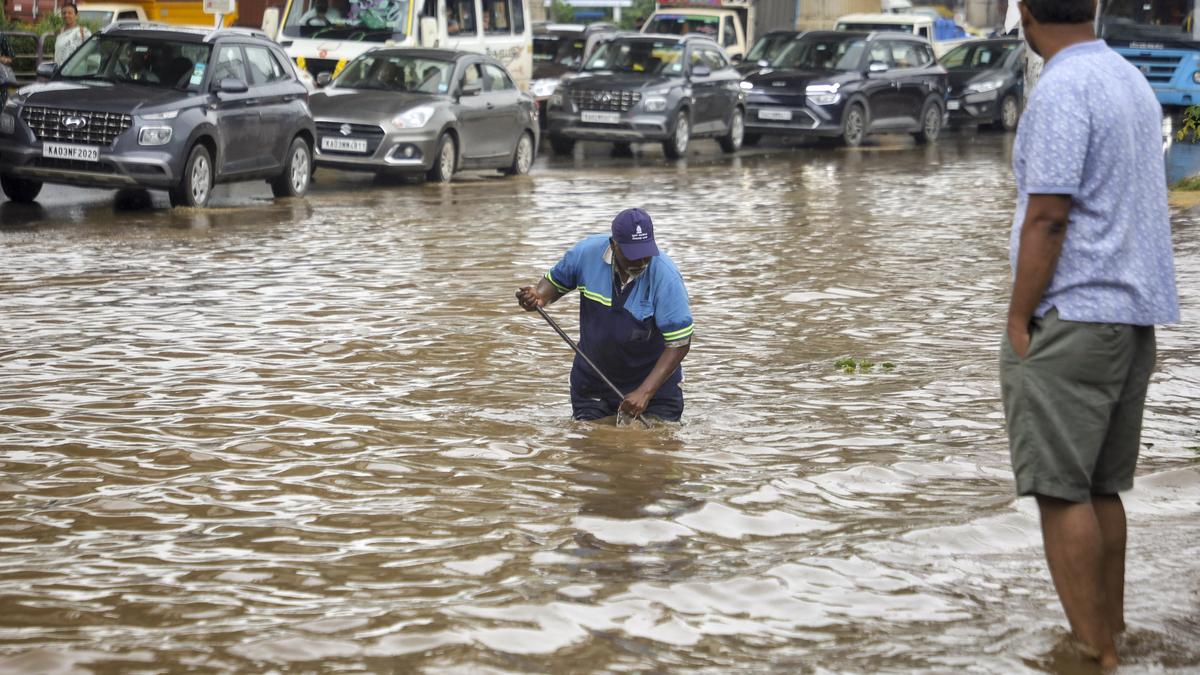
x=319 y=435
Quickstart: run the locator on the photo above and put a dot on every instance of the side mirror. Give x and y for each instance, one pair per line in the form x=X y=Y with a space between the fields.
x=471 y=89
x=46 y=70
x=323 y=79
x=738 y=58
x=877 y=67
x=270 y=21
x=429 y=32
x=232 y=85
x=701 y=71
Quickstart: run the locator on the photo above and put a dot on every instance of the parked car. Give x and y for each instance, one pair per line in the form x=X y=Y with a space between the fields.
x=560 y=49
x=987 y=82
x=171 y=108
x=424 y=111
x=848 y=85
x=647 y=88
x=765 y=50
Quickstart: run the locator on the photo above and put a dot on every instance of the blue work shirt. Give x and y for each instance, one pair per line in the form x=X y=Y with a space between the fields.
x=624 y=331
x=1093 y=131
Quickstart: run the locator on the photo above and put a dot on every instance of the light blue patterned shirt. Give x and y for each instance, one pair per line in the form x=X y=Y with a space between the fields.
x=1093 y=130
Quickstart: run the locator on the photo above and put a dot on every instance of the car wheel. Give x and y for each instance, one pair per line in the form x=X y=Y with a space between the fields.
x=522 y=156
x=750 y=139
x=444 y=160
x=854 y=126
x=681 y=134
x=297 y=171
x=732 y=141
x=1010 y=113
x=931 y=123
x=195 y=187
x=22 y=190
x=562 y=145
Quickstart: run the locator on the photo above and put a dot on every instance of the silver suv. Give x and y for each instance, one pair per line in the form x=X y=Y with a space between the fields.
x=161 y=107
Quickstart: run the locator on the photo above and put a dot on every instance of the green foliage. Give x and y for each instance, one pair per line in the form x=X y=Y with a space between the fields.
x=1190 y=184
x=1189 y=130
x=632 y=18
x=560 y=12
x=850 y=365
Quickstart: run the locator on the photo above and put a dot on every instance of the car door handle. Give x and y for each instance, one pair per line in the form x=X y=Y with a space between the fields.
x=491 y=106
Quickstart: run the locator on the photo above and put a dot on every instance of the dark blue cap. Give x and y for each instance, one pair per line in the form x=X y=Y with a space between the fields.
x=633 y=231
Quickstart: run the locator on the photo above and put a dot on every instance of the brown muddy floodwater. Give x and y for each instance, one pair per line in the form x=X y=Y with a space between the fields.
x=319 y=436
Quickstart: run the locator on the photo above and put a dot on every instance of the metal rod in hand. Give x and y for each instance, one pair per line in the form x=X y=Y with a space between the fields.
x=563 y=334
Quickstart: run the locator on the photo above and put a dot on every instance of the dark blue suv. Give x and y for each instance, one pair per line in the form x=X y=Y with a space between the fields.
x=847 y=85
x=163 y=107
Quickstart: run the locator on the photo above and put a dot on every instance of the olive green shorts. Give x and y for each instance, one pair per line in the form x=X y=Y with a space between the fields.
x=1073 y=406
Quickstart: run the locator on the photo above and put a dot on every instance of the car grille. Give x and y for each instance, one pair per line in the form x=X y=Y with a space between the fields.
x=775 y=98
x=1157 y=68
x=373 y=134
x=100 y=128
x=600 y=99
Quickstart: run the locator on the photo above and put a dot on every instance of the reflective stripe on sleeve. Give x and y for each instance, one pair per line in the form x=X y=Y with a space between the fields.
x=679 y=334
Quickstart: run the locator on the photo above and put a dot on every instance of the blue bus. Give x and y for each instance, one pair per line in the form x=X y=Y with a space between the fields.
x=1161 y=38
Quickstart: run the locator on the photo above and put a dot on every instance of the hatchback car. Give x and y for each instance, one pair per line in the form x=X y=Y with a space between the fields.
x=637 y=88
x=424 y=111
x=161 y=107
x=987 y=82
x=847 y=85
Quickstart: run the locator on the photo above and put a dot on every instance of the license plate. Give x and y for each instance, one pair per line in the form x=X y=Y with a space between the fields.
x=83 y=153
x=600 y=117
x=778 y=115
x=953 y=105
x=344 y=144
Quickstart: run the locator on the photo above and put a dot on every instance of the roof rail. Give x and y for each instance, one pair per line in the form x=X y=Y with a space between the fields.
x=123 y=24
x=237 y=30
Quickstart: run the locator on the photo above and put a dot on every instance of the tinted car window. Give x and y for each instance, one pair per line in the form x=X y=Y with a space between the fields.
x=714 y=59
x=881 y=52
x=651 y=57
x=822 y=54
x=229 y=63
x=906 y=55
x=768 y=47
x=730 y=33
x=152 y=63
x=397 y=72
x=977 y=56
x=264 y=69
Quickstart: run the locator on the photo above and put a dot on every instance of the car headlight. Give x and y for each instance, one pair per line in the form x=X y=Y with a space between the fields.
x=654 y=103
x=1196 y=77
x=543 y=88
x=746 y=86
x=169 y=115
x=823 y=94
x=413 y=119
x=984 y=87
x=8 y=123
x=154 y=136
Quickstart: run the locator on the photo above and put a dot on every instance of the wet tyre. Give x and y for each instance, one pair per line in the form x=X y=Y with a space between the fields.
x=195 y=186
x=749 y=140
x=1010 y=113
x=297 y=171
x=444 y=160
x=931 y=123
x=522 y=157
x=20 y=190
x=733 y=139
x=562 y=145
x=854 y=126
x=676 y=144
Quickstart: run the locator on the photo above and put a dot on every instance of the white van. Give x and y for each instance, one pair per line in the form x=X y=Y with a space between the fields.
x=325 y=35
x=944 y=34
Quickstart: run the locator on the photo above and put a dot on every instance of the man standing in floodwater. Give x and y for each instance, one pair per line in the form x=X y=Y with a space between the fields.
x=1092 y=274
x=635 y=323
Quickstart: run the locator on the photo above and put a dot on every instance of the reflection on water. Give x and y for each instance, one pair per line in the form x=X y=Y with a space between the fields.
x=319 y=435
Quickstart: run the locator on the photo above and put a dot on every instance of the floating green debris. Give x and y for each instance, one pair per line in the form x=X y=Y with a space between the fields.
x=851 y=365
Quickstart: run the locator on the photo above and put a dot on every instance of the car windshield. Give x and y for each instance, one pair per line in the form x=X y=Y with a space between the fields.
x=649 y=57
x=872 y=27
x=359 y=20
x=162 y=64
x=397 y=72
x=683 y=24
x=1149 y=20
x=564 y=50
x=977 y=56
x=768 y=47
x=822 y=54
